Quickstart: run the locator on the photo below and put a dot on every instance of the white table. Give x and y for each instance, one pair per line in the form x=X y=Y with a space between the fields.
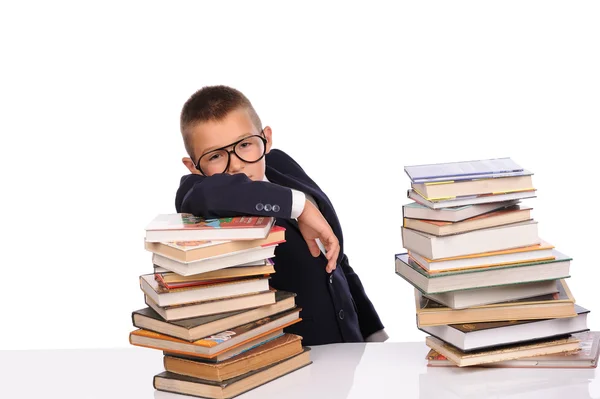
x=373 y=371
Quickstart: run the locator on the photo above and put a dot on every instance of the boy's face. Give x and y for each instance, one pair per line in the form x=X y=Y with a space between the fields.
x=208 y=136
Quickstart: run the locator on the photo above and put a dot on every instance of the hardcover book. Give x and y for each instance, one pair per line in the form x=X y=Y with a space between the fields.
x=187 y=227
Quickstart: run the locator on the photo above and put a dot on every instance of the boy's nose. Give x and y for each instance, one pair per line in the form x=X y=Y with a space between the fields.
x=235 y=164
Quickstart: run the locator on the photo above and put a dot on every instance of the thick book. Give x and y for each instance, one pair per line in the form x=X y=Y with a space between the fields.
x=196 y=328
x=172 y=280
x=260 y=262
x=234 y=351
x=164 y=297
x=213 y=306
x=585 y=357
x=233 y=259
x=232 y=387
x=532 y=253
x=454 y=280
x=215 y=344
x=477 y=336
x=261 y=356
x=187 y=227
x=500 y=217
x=498 y=238
x=489 y=295
x=455 y=189
x=558 y=305
x=189 y=251
x=463 y=359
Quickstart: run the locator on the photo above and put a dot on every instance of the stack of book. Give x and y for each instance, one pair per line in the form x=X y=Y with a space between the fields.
x=210 y=307
x=488 y=289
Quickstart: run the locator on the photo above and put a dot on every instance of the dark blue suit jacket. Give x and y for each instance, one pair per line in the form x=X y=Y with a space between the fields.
x=335 y=306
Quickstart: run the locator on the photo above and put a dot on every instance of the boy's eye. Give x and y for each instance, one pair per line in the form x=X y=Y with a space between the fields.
x=245 y=144
x=214 y=157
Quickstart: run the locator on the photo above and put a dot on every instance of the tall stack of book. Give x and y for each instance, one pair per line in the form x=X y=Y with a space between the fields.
x=488 y=289
x=210 y=307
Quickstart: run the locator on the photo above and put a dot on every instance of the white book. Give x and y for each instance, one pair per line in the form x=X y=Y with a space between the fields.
x=200 y=293
x=499 y=238
x=479 y=278
x=542 y=251
x=462 y=169
x=475 y=336
x=210 y=307
x=216 y=263
x=415 y=210
x=470 y=200
x=489 y=295
x=262 y=262
x=187 y=227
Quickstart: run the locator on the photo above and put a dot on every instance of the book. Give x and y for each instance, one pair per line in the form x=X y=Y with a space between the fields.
x=558 y=305
x=164 y=297
x=586 y=356
x=475 y=169
x=463 y=359
x=215 y=263
x=187 y=227
x=500 y=217
x=414 y=210
x=235 y=350
x=532 y=253
x=453 y=189
x=478 y=336
x=215 y=344
x=489 y=295
x=172 y=280
x=513 y=235
x=470 y=200
x=261 y=356
x=261 y=262
x=213 y=306
x=465 y=279
x=193 y=329
x=232 y=387
x=189 y=251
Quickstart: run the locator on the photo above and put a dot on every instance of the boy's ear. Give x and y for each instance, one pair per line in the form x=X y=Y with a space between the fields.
x=269 y=136
x=190 y=165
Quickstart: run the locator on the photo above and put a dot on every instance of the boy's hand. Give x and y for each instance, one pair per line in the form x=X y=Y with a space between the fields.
x=313 y=225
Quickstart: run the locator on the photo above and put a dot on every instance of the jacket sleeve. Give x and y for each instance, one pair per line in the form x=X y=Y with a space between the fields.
x=367 y=315
x=225 y=195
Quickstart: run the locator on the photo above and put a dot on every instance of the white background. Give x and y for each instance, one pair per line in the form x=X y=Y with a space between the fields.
x=90 y=96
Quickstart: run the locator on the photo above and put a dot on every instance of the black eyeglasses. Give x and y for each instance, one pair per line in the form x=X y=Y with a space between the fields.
x=250 y=149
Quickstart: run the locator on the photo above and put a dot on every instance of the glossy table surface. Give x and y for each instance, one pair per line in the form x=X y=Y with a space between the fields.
x=374 y=370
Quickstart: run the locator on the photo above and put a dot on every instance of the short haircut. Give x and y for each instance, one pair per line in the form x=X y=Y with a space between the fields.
x=212 y=103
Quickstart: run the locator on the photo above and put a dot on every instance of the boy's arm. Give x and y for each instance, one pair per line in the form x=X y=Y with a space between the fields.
x=367 y=315
x=225 y=195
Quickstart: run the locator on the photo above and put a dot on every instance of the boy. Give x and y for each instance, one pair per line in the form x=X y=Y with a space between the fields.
x=234 y=171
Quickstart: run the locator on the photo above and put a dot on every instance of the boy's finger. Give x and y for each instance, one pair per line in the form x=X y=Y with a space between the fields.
x=332 y=255
x=330 y=242
x=331 y=265
x=329 y=253
x=332 y=252
x=313 y=248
